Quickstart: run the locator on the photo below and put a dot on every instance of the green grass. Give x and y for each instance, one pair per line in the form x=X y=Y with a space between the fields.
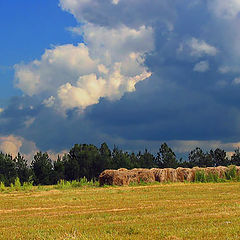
x=162 y=211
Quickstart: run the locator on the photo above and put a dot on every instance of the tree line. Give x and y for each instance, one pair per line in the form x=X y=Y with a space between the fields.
x=86 y=160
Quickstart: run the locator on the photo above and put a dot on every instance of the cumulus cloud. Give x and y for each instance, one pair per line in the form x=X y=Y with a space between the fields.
x=202 y=66
x=183 y=146
x=236 y=81
x=10 y=144
x=29 y=121
x=109 y=64
x=13 y=145
x=199 y=48
x=112 y=13
x=224 y=69
x=49 y=102
x=225 y=9
x=57 y=66
x=114 y=56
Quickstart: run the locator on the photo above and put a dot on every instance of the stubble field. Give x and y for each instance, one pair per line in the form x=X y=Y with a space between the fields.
x=161 y=211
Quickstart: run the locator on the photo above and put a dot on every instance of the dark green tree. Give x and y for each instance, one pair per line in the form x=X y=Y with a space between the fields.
x=197 y=158
x=121 y=159
x=71 y=168
x=235 y=159
x=42 y=168
x=87 y=158
x=105 y=157
x=166 y=158
x=219 y=158
x=135 y=160
x=8 y=171
x=146 y=159
x=23 y=171
x=58 y=170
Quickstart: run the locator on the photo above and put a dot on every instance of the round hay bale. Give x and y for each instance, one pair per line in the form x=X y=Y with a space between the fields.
x=141 y=174
x=114 y=177
x=122 y=169
x=238 y=170
x=106 y=177
x=171 y=174
x=221 y=170
x=185 y=174
x=159 y=174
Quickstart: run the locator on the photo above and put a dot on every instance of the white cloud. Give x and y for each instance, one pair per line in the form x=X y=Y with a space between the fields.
x=57 y=66
x=29 y=122
x=49 y=102
x=236 y=81
x=224 y=69
x=133 y=13
x=54 y=155
x=1 y=110
x=10 y=144
x=186 y=146
x=225 y=9
x=110 y=64
x=199 y=48
x=202 y=66
x=15 y=144
x=115 y=2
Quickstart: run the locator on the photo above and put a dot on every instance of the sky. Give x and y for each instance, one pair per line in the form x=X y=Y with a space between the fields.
x=131 y=73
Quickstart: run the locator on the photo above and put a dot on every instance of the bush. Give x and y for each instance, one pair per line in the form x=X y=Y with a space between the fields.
x=2 y=187
x=27 y=186
x=76 y=184
x=17 y=184
x=212 y=177
x=200 y=176
x=231 y=173
x=83 y=180
x=62 y=184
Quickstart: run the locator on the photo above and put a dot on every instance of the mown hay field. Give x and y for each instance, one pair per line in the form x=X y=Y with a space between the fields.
x=158 y=211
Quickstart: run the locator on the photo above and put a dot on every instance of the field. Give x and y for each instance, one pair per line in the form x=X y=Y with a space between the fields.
x=160 y=211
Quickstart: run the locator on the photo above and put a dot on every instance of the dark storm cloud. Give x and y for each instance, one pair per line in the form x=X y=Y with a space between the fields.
x=178 y=102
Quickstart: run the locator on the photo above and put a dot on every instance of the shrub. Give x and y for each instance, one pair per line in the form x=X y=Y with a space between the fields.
x=62 y=184
x=17 y=184
x=27 y=186
x=76 y=184
x=83 y=181
x=2 y=187
x=12 y=187
x=200 y=176
x=231 y=173
x=212 y=177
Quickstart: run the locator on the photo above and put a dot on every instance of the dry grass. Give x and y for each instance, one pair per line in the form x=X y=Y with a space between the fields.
x=163 y=211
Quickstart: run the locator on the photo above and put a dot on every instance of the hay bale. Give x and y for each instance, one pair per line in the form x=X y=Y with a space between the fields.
x=160 y=174
x=114 y=177
x=125 y=177
x=185 y=174
x=171 y=174
x=238 y=170
x=219 y=171
x=165 y=175
x=122 y=169
x=141 y=174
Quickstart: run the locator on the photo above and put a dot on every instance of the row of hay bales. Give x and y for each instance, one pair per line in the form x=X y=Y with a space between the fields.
x=124 y=176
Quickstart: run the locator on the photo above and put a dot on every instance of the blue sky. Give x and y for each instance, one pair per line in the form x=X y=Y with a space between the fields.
x=128 y=72
x=27 y=28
